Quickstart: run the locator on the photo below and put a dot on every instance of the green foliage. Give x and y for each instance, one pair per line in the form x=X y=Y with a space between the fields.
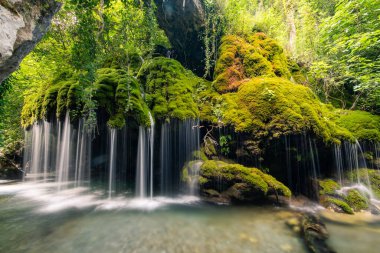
x=363 y=125
x=11 y=134
x=224 y=144
x=351 y=39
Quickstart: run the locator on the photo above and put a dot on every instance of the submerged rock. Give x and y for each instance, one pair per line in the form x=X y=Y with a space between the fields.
x=315 y=234
x=23 y=23
x=313 y=231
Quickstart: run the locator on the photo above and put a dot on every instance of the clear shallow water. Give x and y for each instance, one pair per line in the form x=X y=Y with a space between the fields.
x=35 y=218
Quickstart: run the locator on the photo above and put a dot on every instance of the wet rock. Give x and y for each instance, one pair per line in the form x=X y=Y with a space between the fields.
x=22 y=25
x=315 y=234
x=183 y=23
x=375 y=210
x=214 y=197
x=240 y=184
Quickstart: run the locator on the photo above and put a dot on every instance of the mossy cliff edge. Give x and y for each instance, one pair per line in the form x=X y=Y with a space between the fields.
x=162 y=86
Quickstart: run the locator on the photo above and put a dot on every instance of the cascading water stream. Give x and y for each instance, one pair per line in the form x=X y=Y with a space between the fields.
x=338 y=163
x=64 y=154
x=145 y=159
x=112 y=161
x=179 y=139
x=351 y=157
x=151 y=152
x=37 y=150
x=142 y=164
x=47 y=130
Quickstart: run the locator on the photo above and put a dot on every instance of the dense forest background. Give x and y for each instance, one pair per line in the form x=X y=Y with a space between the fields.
x=334 y=43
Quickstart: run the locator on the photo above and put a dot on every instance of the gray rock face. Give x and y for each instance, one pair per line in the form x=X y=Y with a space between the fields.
x=183 y=22
x=22 y=25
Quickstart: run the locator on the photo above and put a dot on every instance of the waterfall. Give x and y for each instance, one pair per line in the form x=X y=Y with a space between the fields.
x=351 y=157
x=151 y=152
x=112 y=161
x=194 y=178
x=142 y=164
x=338 y=163
x=179 y=139
x=82 y=155
x=46 y=164
x=27 y=153
x=64 y=154
x=302 y=164
x=145 y=161
x=37 y=150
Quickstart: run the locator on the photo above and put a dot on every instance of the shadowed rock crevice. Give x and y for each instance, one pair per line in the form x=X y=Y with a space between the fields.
x=183 y=23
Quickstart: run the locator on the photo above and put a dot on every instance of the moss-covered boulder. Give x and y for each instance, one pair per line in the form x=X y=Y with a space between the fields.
x=363 y=125
x=169 y=88
x=334 y=198
x=268 y=108
x=356 y=200
x=242 y=58
x=328 y=187
x=336 y=204
x=239 y=183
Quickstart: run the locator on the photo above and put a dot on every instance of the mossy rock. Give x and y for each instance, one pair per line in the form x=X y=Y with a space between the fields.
x=337 y=204
x=120 y=95
x=356 y=200
x=246 y=57
x=363 y=125
x=328 y=187
x=268 y=108
x=366 y=176
x=239 y=182
x=169 y=89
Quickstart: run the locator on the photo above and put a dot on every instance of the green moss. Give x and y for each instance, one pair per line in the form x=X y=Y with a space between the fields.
x=49 y=104
x=32 y=109
x=169 y=88
x=363 y=125
x=356 y=200
x=120 y=95
x=328 y=186
x=268 y=108
x=340 y=203
x=199 y=154
x=115 y=92
x=275 y=186
x=227 y=175
x=243 y=58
